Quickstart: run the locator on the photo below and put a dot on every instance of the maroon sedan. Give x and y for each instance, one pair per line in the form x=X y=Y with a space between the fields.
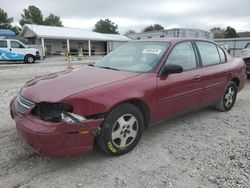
x=137 y=85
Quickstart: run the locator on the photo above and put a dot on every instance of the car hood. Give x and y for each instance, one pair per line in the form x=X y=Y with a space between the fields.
x=32 y=49
x=57 y=86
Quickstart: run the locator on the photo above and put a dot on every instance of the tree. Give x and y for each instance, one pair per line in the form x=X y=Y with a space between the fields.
x=129 y=32
x=16 y=29
x=53 y=20
x=32 y=15
x=158 y=27
x=106 y=26
x=5 y=21
x=155 y=27
x=230 y=32
x=218 y=32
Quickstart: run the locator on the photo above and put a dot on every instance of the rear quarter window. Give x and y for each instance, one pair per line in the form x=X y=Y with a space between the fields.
x=222 y=55
x=208 y=52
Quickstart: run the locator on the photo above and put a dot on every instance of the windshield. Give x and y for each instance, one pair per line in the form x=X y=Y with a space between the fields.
x=135 y=56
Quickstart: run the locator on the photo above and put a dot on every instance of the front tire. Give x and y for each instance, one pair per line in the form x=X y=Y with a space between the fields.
x=228 y=99
x=29 y=59
x=121 y=130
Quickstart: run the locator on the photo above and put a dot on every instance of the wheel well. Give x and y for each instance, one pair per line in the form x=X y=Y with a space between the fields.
x=142 y=106
x=28 y=55
x=236 y=81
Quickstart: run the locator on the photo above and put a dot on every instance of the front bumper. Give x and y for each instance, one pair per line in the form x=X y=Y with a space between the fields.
x=37 y=57
x=55 y=139
x=247 y=62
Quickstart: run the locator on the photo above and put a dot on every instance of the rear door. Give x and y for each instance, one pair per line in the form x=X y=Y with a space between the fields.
x=215 y=71
x=4 y=50
x=177 y=93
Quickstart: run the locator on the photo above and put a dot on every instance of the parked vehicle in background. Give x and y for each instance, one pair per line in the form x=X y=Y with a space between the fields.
x=15 y=50
x=245 y=54
x=138 y=85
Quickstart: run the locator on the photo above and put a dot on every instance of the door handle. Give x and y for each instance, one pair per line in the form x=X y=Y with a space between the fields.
x=226 y=71
x=197 y=77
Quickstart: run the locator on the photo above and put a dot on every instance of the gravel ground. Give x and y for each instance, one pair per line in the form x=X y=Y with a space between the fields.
x=205 y=148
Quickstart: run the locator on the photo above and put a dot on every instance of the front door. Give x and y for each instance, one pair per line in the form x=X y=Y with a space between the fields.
x=180 y=92
x=18 y=50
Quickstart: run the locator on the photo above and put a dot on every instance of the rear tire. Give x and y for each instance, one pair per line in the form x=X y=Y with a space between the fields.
x=29 y=59
x=228 y=99
x=121 y=130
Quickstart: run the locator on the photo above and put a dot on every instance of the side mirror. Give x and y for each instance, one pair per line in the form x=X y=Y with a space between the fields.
x=171 y=69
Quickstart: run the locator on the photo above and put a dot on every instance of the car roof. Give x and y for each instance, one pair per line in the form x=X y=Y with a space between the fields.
x=171 y=40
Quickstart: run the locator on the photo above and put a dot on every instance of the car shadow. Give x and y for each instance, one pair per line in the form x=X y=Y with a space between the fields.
x=148 y=135
x=97 y=159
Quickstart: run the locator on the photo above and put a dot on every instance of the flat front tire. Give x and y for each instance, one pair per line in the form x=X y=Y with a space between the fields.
x=228 y=99
x=121 y=130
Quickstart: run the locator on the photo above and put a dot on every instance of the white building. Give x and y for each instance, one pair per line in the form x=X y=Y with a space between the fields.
x=177 y=32
x=57 y=40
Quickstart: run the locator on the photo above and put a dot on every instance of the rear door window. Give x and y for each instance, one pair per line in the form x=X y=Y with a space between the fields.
x=3 y=44
x=208 y=52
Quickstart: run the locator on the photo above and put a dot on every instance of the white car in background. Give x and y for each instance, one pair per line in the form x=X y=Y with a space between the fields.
x=245 y=55
x=15 y=50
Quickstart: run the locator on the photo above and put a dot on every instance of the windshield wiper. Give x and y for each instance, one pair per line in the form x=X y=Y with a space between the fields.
x=110 y=68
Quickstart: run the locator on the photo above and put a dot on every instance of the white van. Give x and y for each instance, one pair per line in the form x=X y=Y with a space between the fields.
x=15 y=50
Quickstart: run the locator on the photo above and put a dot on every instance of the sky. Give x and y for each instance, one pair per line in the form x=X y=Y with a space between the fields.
x=136 y=14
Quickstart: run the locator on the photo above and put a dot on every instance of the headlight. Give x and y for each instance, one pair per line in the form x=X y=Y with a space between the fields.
x=72 y=118
x=51 y=111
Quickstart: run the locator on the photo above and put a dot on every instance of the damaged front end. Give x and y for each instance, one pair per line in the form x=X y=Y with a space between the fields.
x=51 y=112
x=60 y=112
x=54 y=129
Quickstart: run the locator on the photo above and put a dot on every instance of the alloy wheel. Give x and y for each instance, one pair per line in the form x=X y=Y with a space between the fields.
x=229 y=97
x=124 y=131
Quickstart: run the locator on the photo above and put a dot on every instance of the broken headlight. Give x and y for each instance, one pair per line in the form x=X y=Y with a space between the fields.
x=72 y=118
x=51 y=111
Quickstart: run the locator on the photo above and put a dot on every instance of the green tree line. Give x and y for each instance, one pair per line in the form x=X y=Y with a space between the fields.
x=33 y=15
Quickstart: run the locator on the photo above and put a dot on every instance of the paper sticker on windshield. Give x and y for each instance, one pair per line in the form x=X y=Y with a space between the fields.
x=152 y=51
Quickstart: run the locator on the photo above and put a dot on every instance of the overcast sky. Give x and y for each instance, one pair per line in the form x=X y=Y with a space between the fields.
x=136 y=14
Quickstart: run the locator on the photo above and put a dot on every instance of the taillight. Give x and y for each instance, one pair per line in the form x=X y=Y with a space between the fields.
x=37 y=52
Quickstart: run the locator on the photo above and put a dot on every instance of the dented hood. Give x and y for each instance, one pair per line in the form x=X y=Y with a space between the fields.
x=57 y=86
